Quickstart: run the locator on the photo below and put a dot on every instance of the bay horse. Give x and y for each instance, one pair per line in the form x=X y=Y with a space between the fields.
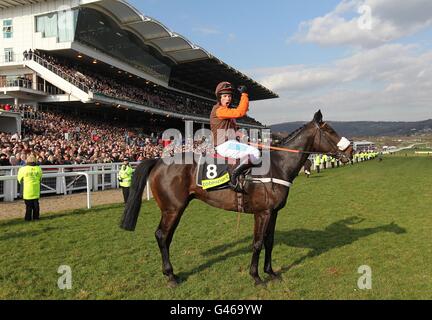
x=174 y=186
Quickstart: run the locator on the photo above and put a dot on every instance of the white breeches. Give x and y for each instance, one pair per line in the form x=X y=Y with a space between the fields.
x=236 y=150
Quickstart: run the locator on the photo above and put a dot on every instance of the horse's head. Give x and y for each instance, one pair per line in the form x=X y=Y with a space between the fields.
x=326 y=140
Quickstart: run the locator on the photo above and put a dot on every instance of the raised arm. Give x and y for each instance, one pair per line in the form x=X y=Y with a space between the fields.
x=239 y=112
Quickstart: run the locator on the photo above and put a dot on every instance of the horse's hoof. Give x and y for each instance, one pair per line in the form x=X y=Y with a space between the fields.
x=259 y=282
x=275 y=276
x=173 y=282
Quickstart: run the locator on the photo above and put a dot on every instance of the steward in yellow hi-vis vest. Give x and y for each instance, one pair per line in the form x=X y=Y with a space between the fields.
x=317 y=161
x=333 y=162
x=324 y=161
x=30 y=177
x=125 y=178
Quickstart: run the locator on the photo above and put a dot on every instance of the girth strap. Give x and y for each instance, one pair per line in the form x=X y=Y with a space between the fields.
x=271 y=180
x=240 y=203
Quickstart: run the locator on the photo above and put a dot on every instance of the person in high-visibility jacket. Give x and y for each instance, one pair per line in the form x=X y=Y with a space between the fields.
x=317 y=161
x=125 y=178
x=30 y=178
x=324 y=160
x=333 y=162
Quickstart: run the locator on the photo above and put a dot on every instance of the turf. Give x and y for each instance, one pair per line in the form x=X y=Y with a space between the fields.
x=376 y=214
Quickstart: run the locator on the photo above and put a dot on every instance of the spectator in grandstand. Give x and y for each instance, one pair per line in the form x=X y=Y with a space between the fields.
x=30 y=178
x=13 y=161
x=44 y=136
x=15 y=136
x=4 y=162
x=22 y=160
x=151 y=95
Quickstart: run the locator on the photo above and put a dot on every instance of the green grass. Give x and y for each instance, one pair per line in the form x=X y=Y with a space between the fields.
x=375 y=213
x=412 y=152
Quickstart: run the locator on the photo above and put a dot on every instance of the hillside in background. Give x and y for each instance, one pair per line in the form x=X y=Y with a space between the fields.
x=367 y=128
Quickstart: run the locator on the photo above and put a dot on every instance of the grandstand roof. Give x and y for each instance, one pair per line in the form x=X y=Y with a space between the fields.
x=14 y=3
x=192 y=62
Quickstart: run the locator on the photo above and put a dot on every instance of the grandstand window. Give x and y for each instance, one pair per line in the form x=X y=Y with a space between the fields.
x=47 y=25
x=99 y=31
x=7 y=29
x=8 y=55
x=67 y=25
x=58 y=24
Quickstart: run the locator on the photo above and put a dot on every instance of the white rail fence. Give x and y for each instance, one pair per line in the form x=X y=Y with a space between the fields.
x=65 y=180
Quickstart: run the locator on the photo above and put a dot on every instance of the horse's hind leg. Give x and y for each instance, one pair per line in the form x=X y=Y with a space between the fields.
x=164 y=234
x=261 y=223
x=268 y=245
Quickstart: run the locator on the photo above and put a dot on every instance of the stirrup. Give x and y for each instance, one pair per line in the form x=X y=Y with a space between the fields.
x=238 y=184
x=238 y=187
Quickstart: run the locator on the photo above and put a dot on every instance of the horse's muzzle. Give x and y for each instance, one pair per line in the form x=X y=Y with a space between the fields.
x=345 y=156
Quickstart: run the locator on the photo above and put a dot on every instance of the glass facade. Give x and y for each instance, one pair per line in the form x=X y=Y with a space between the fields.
x=61 y=24
x=7 y=29
x=96 y=30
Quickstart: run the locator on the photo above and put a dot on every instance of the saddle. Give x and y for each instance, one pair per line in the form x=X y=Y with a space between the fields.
x=214 y=172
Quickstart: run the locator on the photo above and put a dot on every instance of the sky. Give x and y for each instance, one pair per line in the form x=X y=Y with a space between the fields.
x=356 y=60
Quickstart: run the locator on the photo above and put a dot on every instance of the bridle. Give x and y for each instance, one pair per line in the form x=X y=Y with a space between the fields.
x=339 y=149
x=338 y=152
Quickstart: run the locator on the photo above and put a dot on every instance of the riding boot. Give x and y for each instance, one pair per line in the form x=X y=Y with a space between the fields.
x=235 y=183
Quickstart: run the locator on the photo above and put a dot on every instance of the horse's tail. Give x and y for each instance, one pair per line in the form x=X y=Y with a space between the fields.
x=133 y=205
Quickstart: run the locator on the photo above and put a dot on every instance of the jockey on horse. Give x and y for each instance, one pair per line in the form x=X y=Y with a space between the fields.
x=222 y=121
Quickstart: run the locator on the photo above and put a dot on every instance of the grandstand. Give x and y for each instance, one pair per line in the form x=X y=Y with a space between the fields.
x=105 y=57
x=361 y=146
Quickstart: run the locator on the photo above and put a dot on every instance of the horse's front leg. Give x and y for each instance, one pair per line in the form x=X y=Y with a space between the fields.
x=261 y=222
x=268 y=245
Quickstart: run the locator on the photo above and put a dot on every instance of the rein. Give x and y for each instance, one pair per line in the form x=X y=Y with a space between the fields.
x=319 y=128
x=262 y=146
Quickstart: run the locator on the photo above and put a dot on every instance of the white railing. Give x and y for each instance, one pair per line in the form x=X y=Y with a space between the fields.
x=59 y=72
x=22 y=83
x=10 y=58
x=65 y=180
x=62 y=175
x=87 y=176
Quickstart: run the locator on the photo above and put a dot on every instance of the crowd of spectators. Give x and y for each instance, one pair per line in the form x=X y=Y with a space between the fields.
x=7 y=107
x=61 y=139
x=125 y=89
x=25 y=110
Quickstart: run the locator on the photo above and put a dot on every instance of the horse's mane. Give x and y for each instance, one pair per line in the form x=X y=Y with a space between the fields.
x=292 y=135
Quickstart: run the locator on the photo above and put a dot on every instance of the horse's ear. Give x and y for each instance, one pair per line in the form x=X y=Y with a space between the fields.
x=318 y=117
